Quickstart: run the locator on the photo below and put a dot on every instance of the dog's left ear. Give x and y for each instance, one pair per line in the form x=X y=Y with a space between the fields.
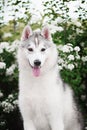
x=46 y=33
x=27 y=32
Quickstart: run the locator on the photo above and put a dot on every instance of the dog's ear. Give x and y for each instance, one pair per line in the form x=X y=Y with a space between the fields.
x=26 y=33
x=46 y=33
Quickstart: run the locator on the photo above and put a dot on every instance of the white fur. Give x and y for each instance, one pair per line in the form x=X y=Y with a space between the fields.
x=43 y=102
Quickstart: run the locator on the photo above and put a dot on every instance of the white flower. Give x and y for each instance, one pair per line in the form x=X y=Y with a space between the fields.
x=10 y=96
x=8 y=47
x=83 y=97
x=2 y=123
x=85 y=128
x=35 y=18
x=4 y=104
x=78 y=24
x=79 y=31
x=59 y=20
x=13 y=46
x=70 y=66
x=84 y=58
x=77 y=48
x=1 y=50
x=67 y=48
x=77 y=57
x=60 y=67
x=10 y=70
x=7 y=107
x=4 y=45
x=1 y=94
x=60 y=60
x=55 y=28
x=7 y=35
x=15 y=103
x=69 y=44
x=70 y=48
x=2 y=65
x=64 y=65
x=60 y=29
x=71 y=57
x=60 y=47
x=54 y=22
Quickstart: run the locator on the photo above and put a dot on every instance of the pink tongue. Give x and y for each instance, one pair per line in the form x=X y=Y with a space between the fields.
x=36 y=71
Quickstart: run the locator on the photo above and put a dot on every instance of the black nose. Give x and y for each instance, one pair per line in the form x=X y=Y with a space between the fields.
x=37 y=63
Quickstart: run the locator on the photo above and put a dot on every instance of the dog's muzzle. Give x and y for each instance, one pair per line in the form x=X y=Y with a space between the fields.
x=36 y=68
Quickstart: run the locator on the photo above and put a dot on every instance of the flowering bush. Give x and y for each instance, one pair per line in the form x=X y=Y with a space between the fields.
x=70 y=62
x=10 y=104
x=8 y=86
x=69 y=57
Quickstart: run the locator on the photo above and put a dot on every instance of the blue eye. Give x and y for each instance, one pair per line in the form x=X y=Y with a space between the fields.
x=43 y=49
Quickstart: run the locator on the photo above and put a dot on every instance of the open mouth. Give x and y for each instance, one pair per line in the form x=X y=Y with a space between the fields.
x=35 y=70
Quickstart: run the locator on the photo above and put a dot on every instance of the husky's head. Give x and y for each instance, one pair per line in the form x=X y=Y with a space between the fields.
x=37 y=52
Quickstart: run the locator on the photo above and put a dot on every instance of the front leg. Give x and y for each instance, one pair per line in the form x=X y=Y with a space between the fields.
x=28 y=125
x=56 y=121
x=57 y=125
x=26 y=114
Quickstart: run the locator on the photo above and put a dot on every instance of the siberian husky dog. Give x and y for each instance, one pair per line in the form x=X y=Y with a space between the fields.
x=45 y=102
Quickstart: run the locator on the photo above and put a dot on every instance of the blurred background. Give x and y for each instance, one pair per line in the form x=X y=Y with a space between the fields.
x=67 y=20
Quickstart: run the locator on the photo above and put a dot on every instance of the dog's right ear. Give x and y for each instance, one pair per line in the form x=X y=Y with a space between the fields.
x=27 y=32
